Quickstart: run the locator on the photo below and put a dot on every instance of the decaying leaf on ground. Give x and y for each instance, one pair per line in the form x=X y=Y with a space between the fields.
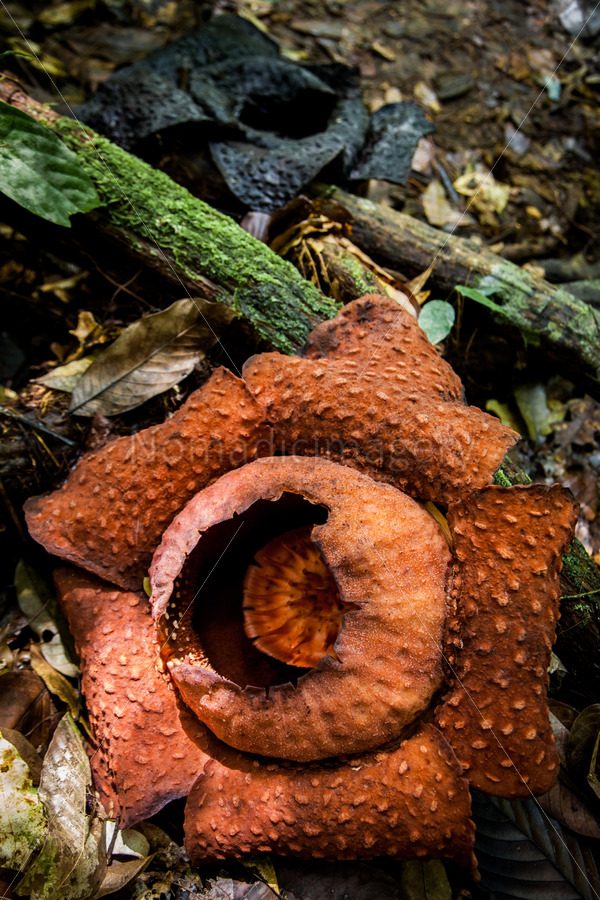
x=149 y=357
x=64 y=378
x=71 y=861
x=37 y=601
x=544 y=207
x=23 y=821
x=26 y=706
x=535 y=850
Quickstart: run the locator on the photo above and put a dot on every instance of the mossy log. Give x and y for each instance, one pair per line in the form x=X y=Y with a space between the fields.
x=544 y=313
x=197 y=248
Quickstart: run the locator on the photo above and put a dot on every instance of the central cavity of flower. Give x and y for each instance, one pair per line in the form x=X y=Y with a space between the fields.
x=255 y=601
x=292 y=608
x=302 y=608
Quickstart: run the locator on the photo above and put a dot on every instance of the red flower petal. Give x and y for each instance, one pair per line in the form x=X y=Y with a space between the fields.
x=432 y=448
x=382 y=339
x=149 y=751
x=110 y=514
x=509 y=544
x=407 y=802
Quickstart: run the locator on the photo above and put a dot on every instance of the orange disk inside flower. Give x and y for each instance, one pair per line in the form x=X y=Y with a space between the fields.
x=292 y=608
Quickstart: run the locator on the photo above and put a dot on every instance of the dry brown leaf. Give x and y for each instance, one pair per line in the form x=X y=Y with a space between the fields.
x=149 y=357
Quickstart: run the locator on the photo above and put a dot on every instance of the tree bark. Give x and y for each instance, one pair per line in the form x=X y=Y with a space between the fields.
x=203 y=251
x=543 y=312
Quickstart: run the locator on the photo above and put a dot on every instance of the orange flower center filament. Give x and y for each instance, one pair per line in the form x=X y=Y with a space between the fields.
x=292 y=608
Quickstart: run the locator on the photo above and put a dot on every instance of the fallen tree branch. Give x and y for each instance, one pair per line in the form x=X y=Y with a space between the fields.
x=543 y=312
x=197 y=248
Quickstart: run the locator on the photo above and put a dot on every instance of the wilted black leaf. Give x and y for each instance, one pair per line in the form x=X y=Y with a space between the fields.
x=526 y=855
x=395 y=132
x=272 y=125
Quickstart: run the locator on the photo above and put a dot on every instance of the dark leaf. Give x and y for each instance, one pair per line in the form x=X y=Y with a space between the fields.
x=395 y=131
x=26 y=706
x=335 y=881
x=424 y=880
x=524 y=854
x=583 y=744
x=562 y=803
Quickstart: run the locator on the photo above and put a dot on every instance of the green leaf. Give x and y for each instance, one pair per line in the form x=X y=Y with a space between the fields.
x=436 y=319
x=504 y=413
x=39 y=172
x=149 y=357
x=533 y=406
x=22 y=819
x=478 y=296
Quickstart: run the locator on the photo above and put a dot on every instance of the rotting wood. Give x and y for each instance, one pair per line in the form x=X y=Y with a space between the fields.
x=544 y=313
x=192 y=244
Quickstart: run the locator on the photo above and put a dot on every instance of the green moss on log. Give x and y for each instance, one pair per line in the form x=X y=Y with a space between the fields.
x=201 y=243
x=544 y=313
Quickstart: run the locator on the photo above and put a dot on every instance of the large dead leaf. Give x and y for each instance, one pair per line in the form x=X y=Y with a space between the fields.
x=64 y=378
x=71 y=863
x=563 y=804
x=524 y=853
x=56 y=683
x=119 y=874
x=149 y=357
x=26 y=705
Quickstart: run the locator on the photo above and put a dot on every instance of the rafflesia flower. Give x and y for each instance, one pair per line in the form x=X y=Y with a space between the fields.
x=349 y=623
